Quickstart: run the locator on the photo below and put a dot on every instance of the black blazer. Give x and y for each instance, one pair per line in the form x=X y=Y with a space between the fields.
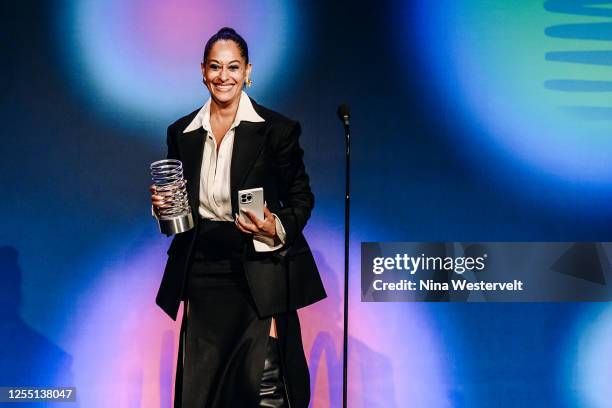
x=265 y=154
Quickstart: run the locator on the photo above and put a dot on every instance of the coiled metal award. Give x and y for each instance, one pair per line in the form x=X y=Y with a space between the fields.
x=174 y=215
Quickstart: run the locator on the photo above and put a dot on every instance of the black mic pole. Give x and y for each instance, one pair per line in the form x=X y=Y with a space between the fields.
x=344 y=115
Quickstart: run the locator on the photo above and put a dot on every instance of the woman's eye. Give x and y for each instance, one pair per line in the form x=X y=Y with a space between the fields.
x=234 y=67
x=214 y=66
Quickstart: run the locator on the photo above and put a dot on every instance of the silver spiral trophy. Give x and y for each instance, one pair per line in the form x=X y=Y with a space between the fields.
x=174 y=215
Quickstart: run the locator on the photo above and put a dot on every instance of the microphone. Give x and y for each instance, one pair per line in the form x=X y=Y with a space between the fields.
x=344 y=113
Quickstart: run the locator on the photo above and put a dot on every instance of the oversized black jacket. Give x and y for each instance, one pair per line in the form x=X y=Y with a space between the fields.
x=265 y=154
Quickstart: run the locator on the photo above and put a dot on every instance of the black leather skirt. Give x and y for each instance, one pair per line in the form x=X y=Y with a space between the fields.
x=225 y=341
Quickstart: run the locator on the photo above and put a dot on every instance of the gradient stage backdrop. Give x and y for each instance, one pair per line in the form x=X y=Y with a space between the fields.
x=479 y=120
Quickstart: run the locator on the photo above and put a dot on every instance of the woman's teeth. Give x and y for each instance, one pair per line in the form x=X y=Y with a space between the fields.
x=224 y=87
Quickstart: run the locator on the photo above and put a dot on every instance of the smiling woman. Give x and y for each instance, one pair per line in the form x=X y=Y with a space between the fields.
x=241 y=281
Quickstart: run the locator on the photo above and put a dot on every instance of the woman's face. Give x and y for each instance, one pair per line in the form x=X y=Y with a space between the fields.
x=225 y=71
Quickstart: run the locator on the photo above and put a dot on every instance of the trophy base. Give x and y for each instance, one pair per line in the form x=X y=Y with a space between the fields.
x=175 y=225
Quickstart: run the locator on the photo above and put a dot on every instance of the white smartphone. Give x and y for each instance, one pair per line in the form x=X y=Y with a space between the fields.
x=252 y=200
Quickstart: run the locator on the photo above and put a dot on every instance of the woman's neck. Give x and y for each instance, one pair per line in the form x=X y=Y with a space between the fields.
x=224 y=111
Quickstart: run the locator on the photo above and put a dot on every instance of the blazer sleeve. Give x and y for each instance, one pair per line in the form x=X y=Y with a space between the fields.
x=171 y=142
x=294 y=189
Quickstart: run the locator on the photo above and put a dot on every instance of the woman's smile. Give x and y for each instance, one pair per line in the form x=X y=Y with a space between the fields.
x=224 y=87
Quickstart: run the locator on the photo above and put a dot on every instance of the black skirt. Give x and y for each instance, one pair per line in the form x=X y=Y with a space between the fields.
x=224 y=340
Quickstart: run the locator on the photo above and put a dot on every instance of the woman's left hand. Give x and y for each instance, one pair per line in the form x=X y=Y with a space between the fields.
x=265 y=227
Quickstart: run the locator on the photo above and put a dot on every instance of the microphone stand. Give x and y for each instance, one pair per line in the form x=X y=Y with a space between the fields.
x=343 y=114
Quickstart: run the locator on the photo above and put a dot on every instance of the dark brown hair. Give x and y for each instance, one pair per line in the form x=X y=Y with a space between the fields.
x=227 y=33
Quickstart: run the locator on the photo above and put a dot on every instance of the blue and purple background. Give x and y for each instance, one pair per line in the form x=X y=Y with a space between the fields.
x=482 y=120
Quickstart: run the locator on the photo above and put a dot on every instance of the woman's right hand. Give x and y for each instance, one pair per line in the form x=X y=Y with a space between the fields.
x=156 y=200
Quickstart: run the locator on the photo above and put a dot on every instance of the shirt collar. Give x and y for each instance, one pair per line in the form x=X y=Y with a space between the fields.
x=245 y=113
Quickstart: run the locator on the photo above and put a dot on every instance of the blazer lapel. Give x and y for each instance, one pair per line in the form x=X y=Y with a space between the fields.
x=192 y=151
x=248 y=141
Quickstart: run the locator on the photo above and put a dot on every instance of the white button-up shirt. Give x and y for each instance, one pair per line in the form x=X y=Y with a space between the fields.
x=215 y=194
